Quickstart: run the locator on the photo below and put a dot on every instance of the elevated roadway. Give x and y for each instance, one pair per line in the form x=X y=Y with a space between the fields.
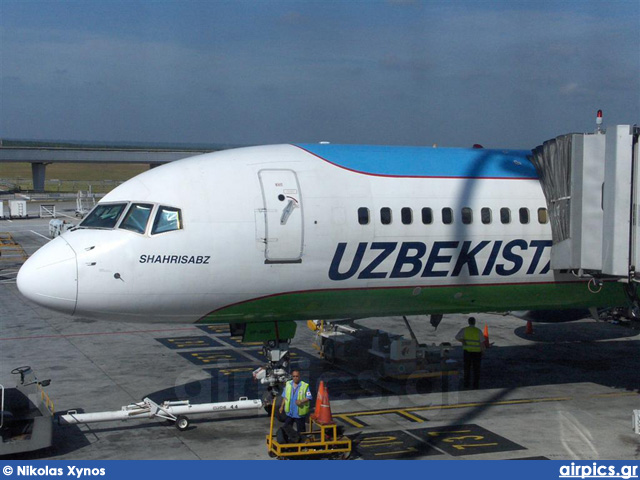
x=41 y=156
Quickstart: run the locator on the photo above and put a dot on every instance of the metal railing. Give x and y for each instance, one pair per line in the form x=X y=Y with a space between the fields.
x=46 y=400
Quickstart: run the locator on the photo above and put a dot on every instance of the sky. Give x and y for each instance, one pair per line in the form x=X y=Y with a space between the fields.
x=505 y=74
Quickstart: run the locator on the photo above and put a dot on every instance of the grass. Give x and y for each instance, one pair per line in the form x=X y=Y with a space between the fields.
x=70 y=177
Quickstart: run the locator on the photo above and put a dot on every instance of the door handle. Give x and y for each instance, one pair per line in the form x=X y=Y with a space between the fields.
x=286 y=213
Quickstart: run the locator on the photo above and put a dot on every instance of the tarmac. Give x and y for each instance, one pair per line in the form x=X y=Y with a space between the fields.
x=567 y=391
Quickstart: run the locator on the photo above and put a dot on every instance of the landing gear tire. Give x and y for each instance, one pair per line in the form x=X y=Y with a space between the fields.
x=182 y=423
x=268 y=401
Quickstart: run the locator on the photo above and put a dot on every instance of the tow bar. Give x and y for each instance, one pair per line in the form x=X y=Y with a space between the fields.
x=175 y=411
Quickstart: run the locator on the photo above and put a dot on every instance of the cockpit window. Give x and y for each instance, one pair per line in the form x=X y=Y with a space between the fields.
x=137 y=217
x=104 y=216
x=167 y=219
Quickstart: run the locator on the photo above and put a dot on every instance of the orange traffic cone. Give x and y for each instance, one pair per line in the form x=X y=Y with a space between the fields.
x=529 y=330
x=486 y=336
x=323 y=416
x=319 y=399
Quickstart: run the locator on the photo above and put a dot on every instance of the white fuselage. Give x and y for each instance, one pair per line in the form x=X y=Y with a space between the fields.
x=279 y=221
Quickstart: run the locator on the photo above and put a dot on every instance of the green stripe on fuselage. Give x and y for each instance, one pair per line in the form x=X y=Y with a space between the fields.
x=380 y=302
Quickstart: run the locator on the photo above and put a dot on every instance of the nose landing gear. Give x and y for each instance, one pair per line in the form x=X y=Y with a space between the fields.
x=276 y=372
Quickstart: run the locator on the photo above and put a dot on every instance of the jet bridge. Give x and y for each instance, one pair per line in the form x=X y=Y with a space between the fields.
x=591 y=183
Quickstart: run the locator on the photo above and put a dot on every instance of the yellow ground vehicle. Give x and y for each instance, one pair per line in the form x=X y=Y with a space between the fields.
x=319 y=441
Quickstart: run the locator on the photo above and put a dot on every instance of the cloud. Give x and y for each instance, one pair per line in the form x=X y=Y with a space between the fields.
x=572 y=88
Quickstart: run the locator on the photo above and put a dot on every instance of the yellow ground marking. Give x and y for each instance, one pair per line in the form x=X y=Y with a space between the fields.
x=408 y=415
x=406 y=412
x=347 y=419
x=350 y=417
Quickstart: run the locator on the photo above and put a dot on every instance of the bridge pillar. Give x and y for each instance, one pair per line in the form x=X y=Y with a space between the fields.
x=38 y=174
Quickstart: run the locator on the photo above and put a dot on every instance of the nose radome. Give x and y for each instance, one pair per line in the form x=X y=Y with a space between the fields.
x=50 y=277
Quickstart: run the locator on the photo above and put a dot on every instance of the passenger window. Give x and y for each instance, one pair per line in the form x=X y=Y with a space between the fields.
x=385 y=215
x=167 y=219
x=467 y=215
x=427 y=216
x=524 y=215
x=485 y=215
x=447 y=216
x=104 y=216
x=407 y=216
x=363 y=216
x=543 y=216
x=137 y=217
x=505 y=215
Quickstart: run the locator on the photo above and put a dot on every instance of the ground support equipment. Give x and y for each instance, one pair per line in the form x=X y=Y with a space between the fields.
x=320 y=441
x=25 y=414
x=172 y=411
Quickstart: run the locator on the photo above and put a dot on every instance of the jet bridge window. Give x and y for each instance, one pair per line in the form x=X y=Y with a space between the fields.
x=137 y=217
x=104 y=216
x=167 y=219
x=363 y=216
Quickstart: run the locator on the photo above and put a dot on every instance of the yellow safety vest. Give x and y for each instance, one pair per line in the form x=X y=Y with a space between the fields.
x=472 y=339
x=302 y=395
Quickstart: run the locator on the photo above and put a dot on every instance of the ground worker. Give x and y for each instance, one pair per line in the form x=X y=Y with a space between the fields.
x=473 y=346
x=296 y=399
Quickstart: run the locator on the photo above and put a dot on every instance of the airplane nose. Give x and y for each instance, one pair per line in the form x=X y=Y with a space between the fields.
x=50 y=277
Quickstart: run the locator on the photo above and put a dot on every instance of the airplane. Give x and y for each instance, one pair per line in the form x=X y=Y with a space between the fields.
x=313 y=231
x=261 y=237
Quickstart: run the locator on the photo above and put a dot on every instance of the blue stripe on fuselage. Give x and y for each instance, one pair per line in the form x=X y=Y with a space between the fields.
x=427 y=162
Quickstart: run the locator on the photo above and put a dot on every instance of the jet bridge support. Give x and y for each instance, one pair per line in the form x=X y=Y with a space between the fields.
x=592 y=183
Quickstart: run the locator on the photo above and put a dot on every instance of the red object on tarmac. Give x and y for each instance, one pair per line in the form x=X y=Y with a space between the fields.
x=319 y=398
x=323 y=415
x=529 y=330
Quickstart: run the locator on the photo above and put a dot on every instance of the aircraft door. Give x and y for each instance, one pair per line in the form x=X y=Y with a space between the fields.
x=283 y=216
